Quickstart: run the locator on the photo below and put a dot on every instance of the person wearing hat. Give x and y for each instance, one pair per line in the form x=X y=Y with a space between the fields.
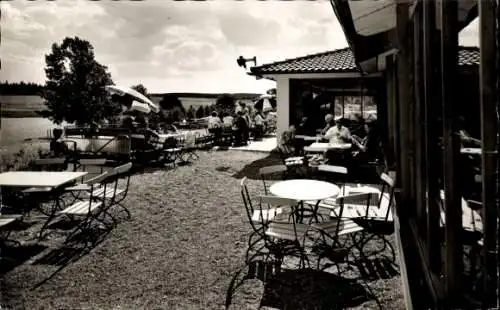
x=338 y=133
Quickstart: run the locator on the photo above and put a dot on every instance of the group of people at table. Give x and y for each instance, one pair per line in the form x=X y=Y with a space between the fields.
x=241 y=125
x=360 y=141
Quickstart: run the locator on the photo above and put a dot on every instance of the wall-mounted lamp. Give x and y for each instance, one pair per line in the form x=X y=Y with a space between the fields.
x=242 y=62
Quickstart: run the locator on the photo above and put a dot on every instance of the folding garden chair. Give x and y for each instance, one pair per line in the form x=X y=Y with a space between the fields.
x=37 y=197
x=257 y=219
x=6 y=222
x=340 y=224
x=114 y=193
x=338 y=174
x=170 y=151
x=267 y=173
x=377 y=220
x=188 y=145
x=83 y=164
x=111 y=193
x=294 y=164
x=90 y=209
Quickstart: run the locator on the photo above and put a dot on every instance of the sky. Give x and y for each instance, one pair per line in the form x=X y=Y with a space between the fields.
x=172 y=46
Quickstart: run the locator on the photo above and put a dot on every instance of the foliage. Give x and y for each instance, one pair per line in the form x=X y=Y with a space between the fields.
x=21 y=88
x=172 y=109
x=141 y=89
x=271 y=92
x=225 y=103
x=21 y=159
x=200 y=112
x=190 y=114
x=74 y=91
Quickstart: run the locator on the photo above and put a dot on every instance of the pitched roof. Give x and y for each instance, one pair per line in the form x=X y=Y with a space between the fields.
x=341 y=60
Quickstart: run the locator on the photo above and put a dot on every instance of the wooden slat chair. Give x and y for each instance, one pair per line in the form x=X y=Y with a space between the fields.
x=110 y=192
x=379 y=223
x=294 y=164
x=267 y=173
x=330 y=245
x=114 y=193
x=339 y=173
x=259 y=219
x=189 y=149
x=83 y=164
x=171 y=150
x=89 y=209
x=38 y=196
x=283 y=238
x=6 y=222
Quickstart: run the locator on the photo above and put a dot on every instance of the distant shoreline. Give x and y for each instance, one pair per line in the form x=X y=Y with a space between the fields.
x=19 y=114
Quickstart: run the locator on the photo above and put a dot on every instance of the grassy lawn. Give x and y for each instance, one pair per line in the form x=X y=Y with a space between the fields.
x=186 y=239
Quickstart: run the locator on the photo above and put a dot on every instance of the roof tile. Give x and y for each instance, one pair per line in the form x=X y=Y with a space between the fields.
x=341 y=60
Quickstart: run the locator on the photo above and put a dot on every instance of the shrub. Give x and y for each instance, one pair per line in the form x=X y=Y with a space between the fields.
x=22 y=159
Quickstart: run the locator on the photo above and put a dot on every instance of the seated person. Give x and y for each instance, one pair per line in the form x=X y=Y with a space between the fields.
x=338 y=133
x=466 y=139
x=240 y=130
x=227 y=120
x=305 y=127
x=329 y=121
x=214 y=122
x=368 y=147
x=258 y=126
x=57 y=146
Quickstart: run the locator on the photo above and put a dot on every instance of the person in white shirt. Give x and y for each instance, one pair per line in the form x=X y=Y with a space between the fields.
x=214 y=121
x=338 y=133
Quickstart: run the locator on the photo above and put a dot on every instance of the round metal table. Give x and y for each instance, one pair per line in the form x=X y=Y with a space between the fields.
x=304 y=190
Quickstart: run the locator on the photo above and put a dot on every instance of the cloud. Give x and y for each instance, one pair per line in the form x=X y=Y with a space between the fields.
x=170 y=45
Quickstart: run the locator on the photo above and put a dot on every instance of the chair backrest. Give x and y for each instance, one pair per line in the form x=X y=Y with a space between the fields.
x=333 y=169
x=51 y=164
x=92 y=161
x=272 y=169
x=387 y=192
x=266 y=172
x=247 y=202
x=100 y=179
x=50 y=161
x=123 y=169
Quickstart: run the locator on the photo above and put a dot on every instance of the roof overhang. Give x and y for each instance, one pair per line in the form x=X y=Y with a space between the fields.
x=370 y=26
x=312 y=75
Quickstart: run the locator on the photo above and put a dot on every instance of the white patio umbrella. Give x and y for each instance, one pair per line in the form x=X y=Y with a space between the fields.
x=139 y=106
x=121 y=90
x=266 y=105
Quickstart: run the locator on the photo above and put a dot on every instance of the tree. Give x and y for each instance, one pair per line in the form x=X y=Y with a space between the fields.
x=190 y=112
x=74 y=91
x=169 y=102
x=200 y=112
x=271 y=92
x=208 y=110
x=141 y=89
x=225 y=103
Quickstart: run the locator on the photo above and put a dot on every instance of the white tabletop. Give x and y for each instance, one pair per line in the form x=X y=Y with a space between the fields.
x=471 y=150
x=325 y=146
x=303 y=189
x=38 y=178
x=308 y=138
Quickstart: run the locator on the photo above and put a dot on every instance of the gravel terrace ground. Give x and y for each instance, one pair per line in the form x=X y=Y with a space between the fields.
x=186 y=239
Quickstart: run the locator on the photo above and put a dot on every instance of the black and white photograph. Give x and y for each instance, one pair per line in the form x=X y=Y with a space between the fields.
x=249 y=154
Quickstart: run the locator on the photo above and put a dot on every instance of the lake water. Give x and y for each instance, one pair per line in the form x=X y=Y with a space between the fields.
x=16 y=130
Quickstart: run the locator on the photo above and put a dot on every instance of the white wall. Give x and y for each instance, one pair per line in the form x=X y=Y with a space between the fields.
x=282 y=105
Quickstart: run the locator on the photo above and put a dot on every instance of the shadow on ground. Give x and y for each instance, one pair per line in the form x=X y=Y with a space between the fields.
x=13 y=256
x=76 y=248
x=251 y=170
x=311 y=289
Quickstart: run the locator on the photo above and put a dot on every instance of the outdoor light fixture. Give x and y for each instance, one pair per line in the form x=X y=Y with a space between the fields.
x=242 y=62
